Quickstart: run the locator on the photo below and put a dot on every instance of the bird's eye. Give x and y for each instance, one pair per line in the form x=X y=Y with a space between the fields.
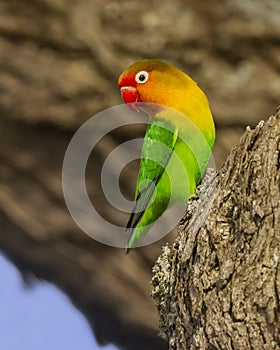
x=141 y=77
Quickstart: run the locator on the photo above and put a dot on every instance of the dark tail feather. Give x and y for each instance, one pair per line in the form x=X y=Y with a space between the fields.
x=130 y=227
x=142 y=202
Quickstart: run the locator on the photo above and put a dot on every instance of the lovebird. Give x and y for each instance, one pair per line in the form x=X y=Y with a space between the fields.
x=178 y=141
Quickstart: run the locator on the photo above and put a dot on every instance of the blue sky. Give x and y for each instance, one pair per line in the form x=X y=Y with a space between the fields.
x=41 y=317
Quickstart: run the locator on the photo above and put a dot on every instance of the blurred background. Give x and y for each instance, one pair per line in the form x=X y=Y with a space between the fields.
x=59 y=65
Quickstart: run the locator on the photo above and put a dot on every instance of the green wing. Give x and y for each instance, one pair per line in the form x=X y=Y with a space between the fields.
x=159 y=142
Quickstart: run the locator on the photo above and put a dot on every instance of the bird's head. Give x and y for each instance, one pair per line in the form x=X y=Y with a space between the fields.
x=150 y=81
x=161 y=90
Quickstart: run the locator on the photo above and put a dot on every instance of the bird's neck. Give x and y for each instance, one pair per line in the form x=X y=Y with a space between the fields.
x=189 y=122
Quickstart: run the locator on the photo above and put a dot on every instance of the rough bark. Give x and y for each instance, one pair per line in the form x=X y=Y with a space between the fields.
x=218 y=286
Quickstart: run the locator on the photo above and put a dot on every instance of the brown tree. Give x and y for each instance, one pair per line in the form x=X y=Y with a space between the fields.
x=218 y=286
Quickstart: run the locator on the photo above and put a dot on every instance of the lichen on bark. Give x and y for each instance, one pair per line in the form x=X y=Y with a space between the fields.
x=218 y=286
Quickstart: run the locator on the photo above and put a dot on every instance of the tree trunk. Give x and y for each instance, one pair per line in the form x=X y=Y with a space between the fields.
x=218 y=286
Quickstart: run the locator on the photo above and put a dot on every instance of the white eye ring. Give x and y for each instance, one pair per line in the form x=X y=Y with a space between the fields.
x=141 y=77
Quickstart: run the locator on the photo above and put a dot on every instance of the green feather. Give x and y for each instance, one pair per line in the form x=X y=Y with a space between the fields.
x=158 y=146
x=172 y=164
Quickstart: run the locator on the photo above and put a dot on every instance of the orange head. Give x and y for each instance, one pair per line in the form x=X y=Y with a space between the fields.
x=150 y=84
x=153 y=81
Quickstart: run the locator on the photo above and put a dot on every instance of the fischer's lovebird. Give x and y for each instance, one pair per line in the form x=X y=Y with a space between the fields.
x=178 y=141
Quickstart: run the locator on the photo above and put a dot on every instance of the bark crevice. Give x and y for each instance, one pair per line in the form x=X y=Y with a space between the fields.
x=226 y=266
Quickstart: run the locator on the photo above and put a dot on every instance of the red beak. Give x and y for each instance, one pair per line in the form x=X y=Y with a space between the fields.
x=130 y=97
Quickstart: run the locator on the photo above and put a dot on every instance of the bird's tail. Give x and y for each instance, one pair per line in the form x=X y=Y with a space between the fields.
x=135 y=233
